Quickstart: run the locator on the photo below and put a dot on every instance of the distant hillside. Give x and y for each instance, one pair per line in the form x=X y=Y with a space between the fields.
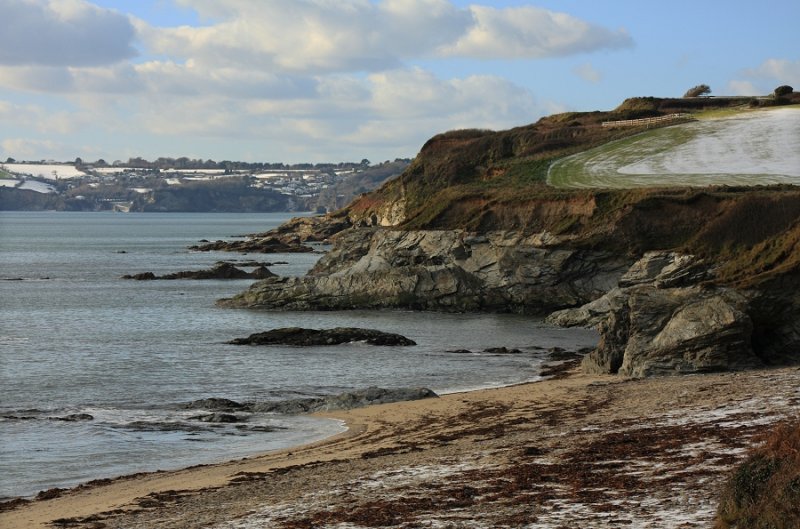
x=342 y=193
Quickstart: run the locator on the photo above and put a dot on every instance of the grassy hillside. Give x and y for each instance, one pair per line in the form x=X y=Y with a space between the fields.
x=747 y=147
x=483 y=180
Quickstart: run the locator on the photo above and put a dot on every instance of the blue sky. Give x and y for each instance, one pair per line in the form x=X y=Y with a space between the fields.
x=340 y=80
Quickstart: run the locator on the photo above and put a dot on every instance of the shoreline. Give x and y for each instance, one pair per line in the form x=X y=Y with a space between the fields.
x=221 y=460
x=478 y=440
x=309 y=439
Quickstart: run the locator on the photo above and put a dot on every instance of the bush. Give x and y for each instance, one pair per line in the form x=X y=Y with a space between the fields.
x=697 y=91
x=783 y=90
x=764 y=491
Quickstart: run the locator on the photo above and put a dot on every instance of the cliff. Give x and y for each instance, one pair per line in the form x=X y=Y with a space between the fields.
x=677 y=280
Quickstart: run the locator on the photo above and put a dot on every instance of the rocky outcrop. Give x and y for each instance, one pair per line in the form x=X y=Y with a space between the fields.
x=343 y=401
x=289 y=237
x=447 y=270
x=308 y=337
x=266 y=244
x=218 y=271
x=662 y=319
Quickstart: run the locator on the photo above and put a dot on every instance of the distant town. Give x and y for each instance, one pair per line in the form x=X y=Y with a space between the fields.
x=182 y=184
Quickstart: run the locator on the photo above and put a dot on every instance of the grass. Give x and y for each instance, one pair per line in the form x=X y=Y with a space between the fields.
x=711 y=151
x=764 y=491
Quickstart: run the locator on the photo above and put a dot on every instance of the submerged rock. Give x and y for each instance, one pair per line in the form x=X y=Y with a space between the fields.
x=213 y=404
x=74 y=417
x=221 y=418
x=343 y=401
x=308 y=337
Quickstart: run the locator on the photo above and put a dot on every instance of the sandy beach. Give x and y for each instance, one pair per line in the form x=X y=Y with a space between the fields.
x=598 y=451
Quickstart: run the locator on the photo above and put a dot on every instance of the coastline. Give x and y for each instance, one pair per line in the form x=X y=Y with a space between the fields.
x=597 y=448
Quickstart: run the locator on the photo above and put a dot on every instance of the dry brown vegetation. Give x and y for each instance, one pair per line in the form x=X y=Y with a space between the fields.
x=764 y=491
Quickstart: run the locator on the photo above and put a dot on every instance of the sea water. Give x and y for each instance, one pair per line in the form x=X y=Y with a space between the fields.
x=75 y=338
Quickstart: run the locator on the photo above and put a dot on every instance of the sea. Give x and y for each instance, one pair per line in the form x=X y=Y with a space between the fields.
x=94 y=369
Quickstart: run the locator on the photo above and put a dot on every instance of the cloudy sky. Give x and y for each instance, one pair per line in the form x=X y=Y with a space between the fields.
x=341 y=80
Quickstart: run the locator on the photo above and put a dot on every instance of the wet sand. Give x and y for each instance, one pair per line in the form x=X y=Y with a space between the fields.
x=599 y=450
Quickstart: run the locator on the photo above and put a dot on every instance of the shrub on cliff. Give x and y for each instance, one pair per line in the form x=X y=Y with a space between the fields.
x=783 y=90
x=764 y=491
x=697 y=91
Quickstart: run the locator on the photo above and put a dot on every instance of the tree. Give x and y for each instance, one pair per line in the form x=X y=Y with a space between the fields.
x=783 y=90
x=697 y=91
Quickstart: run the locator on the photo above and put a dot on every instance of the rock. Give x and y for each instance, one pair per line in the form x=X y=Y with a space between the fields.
x=222 y=418
x=658 y=323
x=218 y=271
x=74 y=417
x=309 y=337
x=144 y=276
x=461 y=351
x=214 y=403
x=262 y=272
x=502 y=351
x=266 y=244
x=447 y=270
x=344 y=401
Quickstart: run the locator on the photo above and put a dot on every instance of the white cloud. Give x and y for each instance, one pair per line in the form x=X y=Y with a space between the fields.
x=62 y=33
x=743 y=88
x=311 y=35
x=764 y=78
x=34 y=117
x=358 y=35
x=781 y=70
x=587 y=72
x=25 y=148
x=277 y=74
x=531 y=32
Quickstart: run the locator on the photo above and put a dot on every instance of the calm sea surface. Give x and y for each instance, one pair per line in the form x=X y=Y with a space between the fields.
x=77 y=339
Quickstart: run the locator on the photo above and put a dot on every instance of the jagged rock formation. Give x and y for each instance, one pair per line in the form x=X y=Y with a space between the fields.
x=666 y=317
x=289 y=237
x=447 y=270
x=257 y=245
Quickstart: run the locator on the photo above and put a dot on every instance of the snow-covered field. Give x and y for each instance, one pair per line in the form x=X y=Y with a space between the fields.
x=31 y=185
x=39 y=187
x=750 y=148
x=49 y=171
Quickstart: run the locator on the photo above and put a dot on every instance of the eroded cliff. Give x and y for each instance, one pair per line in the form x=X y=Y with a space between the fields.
x=677 y=280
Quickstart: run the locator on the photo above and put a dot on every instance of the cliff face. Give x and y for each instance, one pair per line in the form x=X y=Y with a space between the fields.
x=677 y=280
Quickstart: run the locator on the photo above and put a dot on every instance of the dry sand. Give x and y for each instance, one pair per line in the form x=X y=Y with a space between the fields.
x=579 y=451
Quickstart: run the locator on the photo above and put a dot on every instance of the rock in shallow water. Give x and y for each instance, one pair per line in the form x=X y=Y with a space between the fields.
x=342 y=401
x=307 y=337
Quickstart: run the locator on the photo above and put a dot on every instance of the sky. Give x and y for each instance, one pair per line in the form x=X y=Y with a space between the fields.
x=342 y=80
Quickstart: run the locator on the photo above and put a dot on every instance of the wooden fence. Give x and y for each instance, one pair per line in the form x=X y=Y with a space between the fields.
x=649 y=121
